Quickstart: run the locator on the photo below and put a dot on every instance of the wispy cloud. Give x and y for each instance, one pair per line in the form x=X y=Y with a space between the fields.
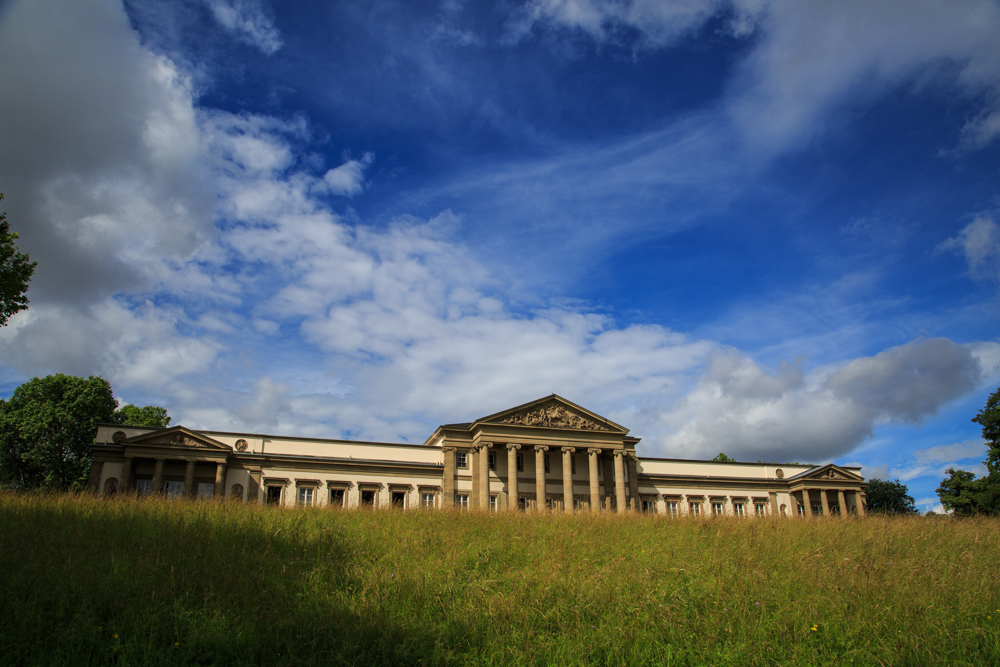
x=979 y=242
x=248 y=21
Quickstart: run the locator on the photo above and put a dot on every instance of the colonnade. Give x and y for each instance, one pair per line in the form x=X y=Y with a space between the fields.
x=804 y=505
x=189 y=487
x=479 y=466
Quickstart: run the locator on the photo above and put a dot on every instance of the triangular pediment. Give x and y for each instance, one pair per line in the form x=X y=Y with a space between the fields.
x=829 y=472
x=177 y=436
x=553 y=412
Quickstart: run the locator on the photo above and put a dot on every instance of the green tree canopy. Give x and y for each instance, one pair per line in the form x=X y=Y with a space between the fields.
x=722 y=458
x=889 y=497
x=46 y=428
x=16 y=270
x=148 y=415
x=960 y=491
x=48 y=425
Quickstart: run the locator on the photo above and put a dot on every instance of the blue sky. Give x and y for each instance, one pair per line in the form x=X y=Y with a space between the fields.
x=762 y=227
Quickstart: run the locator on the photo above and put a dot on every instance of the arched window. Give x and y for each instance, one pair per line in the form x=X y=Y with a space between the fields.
x=111 y=486
x=236 y=492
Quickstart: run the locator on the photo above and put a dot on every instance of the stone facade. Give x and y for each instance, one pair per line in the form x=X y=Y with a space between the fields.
x=549 y=454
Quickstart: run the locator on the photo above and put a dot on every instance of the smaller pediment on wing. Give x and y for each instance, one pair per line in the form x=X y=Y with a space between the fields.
x=829 y=472
x=554 y=412
x=177 y=436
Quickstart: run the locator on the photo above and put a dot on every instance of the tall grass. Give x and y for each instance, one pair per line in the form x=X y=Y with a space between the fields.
x=128 y=582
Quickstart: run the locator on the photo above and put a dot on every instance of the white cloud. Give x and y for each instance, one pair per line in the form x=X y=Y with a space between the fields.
x=786 y=414
x=349 y=178
x=979 y=241
x=809 y=56
x=247 y=20
x=933 y=461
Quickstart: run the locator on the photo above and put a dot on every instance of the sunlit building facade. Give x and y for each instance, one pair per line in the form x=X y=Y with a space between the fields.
x=549 y=455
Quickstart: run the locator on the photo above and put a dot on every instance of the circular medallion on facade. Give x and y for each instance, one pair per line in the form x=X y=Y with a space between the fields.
x=241 y=445
x=779 y=473
x=119 y=437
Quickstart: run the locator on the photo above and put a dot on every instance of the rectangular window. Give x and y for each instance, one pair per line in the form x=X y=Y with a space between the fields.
x=175 y=490
x=205 y=490
x=759 y=509
x=802 y=509
x=494 y=502
x=649 y=506
x=427 y=501
x=672 y=507
x=462 y=501
x=398 y=499
x=695 y=509
x=817 y=509
x=144 y=487
x=273 y=495
x=306 y=495
x=368 y=497
x=572 y=464
x=545 y=457
x=461 y=460
x=520 y=462
x=493 y=461
x=717 y=509
x=337 y=497
x=738 y=509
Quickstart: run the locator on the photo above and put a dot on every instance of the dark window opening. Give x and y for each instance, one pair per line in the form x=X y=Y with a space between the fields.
x=462 y=460
x=367 y=498
x=399 y=499
x=546 y=458
x=522 y=504
x=520 y=462
x=493 y=461
x=337 y=497
x=273 y=495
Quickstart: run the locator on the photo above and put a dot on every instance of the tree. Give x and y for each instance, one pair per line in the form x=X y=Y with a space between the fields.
x=46 y=428
x=48 y=425
x=722 y=458
x=149 y=415
x=16 y=270
x=885 y=497
x=961 y=492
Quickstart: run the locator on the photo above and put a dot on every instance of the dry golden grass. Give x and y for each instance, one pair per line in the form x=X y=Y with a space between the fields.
x=130 y=582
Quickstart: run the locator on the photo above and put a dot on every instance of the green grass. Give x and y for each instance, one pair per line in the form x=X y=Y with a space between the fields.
x=126 y=582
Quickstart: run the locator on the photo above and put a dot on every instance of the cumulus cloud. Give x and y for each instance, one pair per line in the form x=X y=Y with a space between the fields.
x=979 y=241
x=349 y=178
x=787 y=413
x=247 y=20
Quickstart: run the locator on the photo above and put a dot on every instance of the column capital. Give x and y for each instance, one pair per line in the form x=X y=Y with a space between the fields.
x=569 y=450
x=448 y=450
x=513 y=445
x=541 y=448
x=485 y=445
x=619 y=453
x=594 y=450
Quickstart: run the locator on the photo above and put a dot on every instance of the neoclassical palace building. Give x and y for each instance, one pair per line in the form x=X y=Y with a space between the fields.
x=548 y=454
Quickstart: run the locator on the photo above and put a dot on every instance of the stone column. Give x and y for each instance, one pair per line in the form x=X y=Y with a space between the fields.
x=858 y=504
x=158 y=476
x=619 y=481
x=189 y=489
x=595 y=488
x=633 y=482
x=512 y=450
x=824 y=502
x=126 y=475
x=540 y=476
x=448 y=483
x=484 y=475
x=841 y=502
x=806 y=505
x=567 y=465
x=220 y=480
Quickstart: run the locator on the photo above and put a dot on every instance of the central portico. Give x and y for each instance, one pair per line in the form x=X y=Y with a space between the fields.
x=549 y=453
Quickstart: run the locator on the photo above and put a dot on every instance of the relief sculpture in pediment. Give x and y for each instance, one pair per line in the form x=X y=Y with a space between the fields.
x=553 y=416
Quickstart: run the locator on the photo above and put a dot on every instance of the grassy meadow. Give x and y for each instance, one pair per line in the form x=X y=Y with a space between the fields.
x=87 y=581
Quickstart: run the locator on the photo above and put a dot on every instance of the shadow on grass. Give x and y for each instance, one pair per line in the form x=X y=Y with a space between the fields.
x=152 y=582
